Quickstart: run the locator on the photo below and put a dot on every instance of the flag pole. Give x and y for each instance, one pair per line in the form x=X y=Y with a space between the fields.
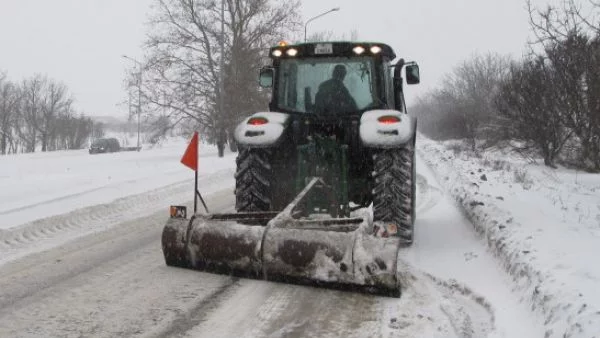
x=190 y=160
x=196 y=192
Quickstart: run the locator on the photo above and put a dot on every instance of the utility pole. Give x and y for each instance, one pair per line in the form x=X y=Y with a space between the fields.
x=221 y=119
x=139 y=108
x=139 y=102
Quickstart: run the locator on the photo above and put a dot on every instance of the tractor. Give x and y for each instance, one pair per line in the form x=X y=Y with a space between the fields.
x=325 y=179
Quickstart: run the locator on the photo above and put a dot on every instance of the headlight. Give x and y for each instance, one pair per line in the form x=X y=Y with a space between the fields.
x=358 y=50
x=292 y=52
x=375 y=49
x=277 y=53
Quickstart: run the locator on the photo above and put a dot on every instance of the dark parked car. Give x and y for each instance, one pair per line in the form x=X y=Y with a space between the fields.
x=105 y=145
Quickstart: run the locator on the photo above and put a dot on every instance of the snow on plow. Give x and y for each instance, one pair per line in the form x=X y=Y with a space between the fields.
x=317 y=250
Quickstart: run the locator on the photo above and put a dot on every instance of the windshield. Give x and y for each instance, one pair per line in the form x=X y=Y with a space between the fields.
x=327 y=85
x=99 y=142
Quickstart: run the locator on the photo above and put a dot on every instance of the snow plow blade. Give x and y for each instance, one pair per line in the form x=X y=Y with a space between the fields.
x=317 y=250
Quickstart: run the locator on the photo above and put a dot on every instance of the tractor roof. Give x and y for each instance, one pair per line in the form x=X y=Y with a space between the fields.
x=331 y=49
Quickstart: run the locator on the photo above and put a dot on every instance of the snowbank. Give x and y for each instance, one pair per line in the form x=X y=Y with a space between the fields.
x=543 y=225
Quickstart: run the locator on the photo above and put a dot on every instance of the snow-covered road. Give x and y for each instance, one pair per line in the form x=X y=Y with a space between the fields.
x=98 y=271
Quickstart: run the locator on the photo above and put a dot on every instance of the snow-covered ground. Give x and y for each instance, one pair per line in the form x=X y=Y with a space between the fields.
x=48 y=199
x=523 y=267
x=39 y=185
x=117 y=255
x=542 y=224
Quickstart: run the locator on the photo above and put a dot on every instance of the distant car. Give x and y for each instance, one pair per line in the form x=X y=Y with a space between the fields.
x=105 y=145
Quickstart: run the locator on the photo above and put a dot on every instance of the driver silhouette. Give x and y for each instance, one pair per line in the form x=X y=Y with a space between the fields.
x=333 y=96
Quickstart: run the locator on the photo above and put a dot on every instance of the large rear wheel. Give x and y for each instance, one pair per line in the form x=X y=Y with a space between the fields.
x=253 y=180
x=394 y=190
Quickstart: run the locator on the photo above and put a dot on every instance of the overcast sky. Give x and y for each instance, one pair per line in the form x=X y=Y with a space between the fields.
x=80 y=42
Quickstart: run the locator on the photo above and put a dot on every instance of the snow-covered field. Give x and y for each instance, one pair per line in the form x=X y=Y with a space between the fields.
x=524 y=266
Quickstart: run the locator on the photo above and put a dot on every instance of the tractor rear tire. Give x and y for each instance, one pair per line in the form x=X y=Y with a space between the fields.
x=253 y=180
x=394 y=178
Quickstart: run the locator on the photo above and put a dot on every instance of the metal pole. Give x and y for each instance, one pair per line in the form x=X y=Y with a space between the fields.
x=139 y=110
x=221 y=74
x=316 y=17
x=196 y=192
x=129 y=103
x=139 y=103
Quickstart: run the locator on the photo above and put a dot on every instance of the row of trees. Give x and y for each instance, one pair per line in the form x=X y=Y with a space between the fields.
x=549 y=102
x=185 y=63
x=37 y=113
x=463 y=106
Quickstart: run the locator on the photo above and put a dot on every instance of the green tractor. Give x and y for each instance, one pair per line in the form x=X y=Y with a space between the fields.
x=325 y=181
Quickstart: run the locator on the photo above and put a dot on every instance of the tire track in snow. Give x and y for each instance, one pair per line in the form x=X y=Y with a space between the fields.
x=62 y=198
x=45 y=233
x=111 y=283
x=268 y=309
x=427 y=195
x=463 y=308
x=429 y=307
x=16 y=289
x=76 y=194
x=199 y=312
x=252 y=306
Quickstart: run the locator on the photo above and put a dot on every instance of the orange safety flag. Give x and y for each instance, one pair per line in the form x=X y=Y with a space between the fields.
x=190 y=157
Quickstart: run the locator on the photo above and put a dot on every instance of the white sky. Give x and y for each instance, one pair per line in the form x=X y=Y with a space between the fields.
x=80 y=42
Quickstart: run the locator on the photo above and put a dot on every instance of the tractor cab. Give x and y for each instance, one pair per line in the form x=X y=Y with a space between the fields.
x=335 y=78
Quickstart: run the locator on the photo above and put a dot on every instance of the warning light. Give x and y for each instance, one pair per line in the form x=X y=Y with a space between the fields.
x=388 y=119
x=282 y=43
x=257 y=121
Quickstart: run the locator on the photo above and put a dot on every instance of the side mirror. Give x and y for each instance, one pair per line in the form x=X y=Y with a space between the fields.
x=412 y=74
x=266 y=76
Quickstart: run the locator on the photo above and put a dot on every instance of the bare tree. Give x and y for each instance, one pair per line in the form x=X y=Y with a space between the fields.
x=31 y=114
x=576 y=63
x=38 y=112
x=569 y=37
x=81 y=129
x=462 y=107
x=435 y=119
x=527 y=98
x=10 y=100
x=97 y=130
x=590 y=17
x=320 y=36
x=55 y=101
x=183 y=71
x=328 y=36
